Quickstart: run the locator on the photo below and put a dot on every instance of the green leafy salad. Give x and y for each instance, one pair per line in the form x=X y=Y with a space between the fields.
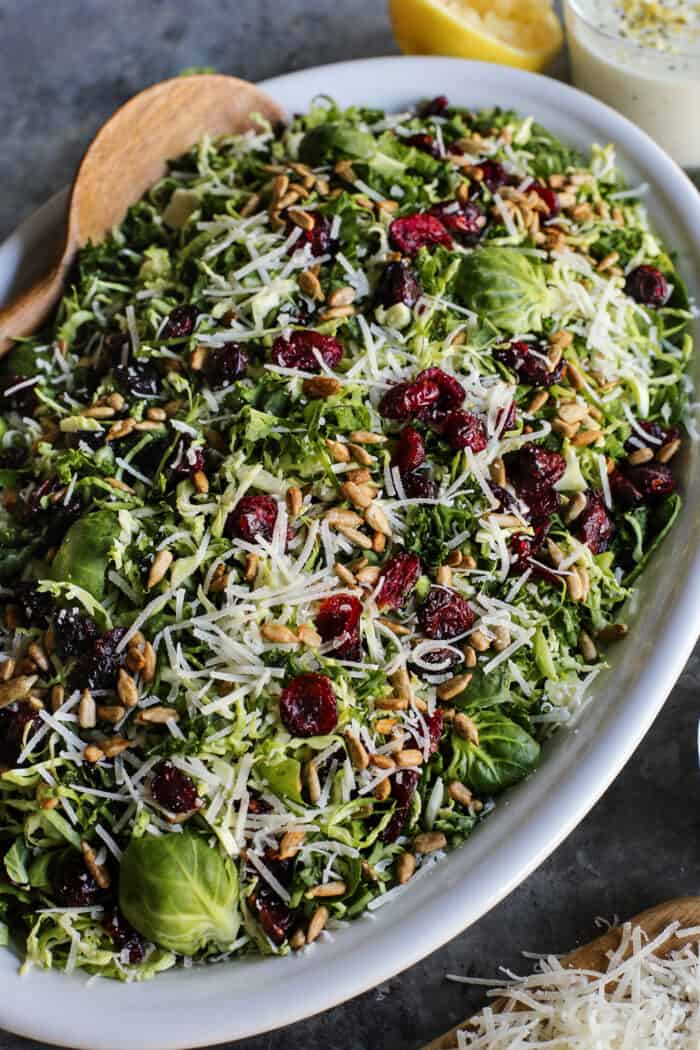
x=322 y=494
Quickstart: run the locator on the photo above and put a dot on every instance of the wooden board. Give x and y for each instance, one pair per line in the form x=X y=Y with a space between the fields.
x=593 y=956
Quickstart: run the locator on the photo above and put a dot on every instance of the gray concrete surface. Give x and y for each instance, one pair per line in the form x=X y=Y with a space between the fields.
x=64 y=66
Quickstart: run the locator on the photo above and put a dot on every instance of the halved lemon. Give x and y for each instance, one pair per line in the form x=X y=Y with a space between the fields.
x=523 y=33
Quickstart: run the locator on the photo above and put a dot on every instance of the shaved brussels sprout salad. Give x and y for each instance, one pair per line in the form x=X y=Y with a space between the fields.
x=322 y=494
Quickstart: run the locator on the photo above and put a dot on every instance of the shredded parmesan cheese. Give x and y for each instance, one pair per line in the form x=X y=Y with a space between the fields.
x=641 y=1002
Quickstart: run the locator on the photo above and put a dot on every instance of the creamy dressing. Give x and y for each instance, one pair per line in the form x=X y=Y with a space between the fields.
x=649 y=73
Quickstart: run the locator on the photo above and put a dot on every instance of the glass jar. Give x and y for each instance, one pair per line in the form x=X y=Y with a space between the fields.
x=657 y=86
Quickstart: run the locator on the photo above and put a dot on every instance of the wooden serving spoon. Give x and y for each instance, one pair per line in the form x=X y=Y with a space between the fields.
x=129 y=154
x=593 y=956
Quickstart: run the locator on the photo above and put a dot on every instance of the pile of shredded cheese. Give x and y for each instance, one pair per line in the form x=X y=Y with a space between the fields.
x=643 y=1001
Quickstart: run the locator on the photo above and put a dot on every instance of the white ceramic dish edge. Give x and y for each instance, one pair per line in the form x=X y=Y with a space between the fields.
x=206 y=1006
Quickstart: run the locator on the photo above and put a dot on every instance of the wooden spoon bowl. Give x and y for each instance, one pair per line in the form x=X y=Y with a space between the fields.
x=127 y=156
x=594 y=956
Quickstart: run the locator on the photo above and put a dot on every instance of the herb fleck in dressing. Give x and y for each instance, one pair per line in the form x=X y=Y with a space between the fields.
x=322 y=496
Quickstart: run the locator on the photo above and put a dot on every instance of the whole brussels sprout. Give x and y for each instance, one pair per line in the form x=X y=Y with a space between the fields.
x=83 y=555
x=504 y=287
x=179 y=892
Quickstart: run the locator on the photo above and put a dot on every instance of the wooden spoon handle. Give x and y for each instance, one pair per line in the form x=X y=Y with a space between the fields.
x=25 y=313
x=127 y=156
x=593 y=956
x=131 y=150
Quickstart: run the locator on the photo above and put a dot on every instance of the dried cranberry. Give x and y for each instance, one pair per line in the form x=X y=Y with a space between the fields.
x=623 y=491
x=338 y=619
x=74 y=631
x=73 y=885
x=399 y=577
x=410 y=450
x=180 y=323
x=658 y=435
x=420 y=230
x=17 y=723
x=57 y=515
x=273 y=914
x=494 y=175
x=125 y=938
x=319 y=237
x=535 y=469
x=434 y=723
x=397 y=284
x=465 y=430
x=466 y=222
x=38 y=492
x=444 y=614
x=35 y=606
x=431 y=396
x=405 y=399
x=60 y=519
x=308 y=707
x=281 y=869
x=548 y=196
x=418 y=484
x=252 y=518
x=541 y=526
x=444 y=661
x=15 y=396
x=424 y=142
x=302 y=312
x=543 y=504
x=523 y=548
x=138 y=379
x=647 y=285
x=506 y=418
x=98 y=667
x=529 y=362
x=258 y=805
x=595 y=527
x=403 y=788
x=506 y=501
x=298 y=351
x=451 y=394
x=434 y=107
x=188 y=459
x=646 y=483
x=118 y=346
x=173 y=790
x=223 y=365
